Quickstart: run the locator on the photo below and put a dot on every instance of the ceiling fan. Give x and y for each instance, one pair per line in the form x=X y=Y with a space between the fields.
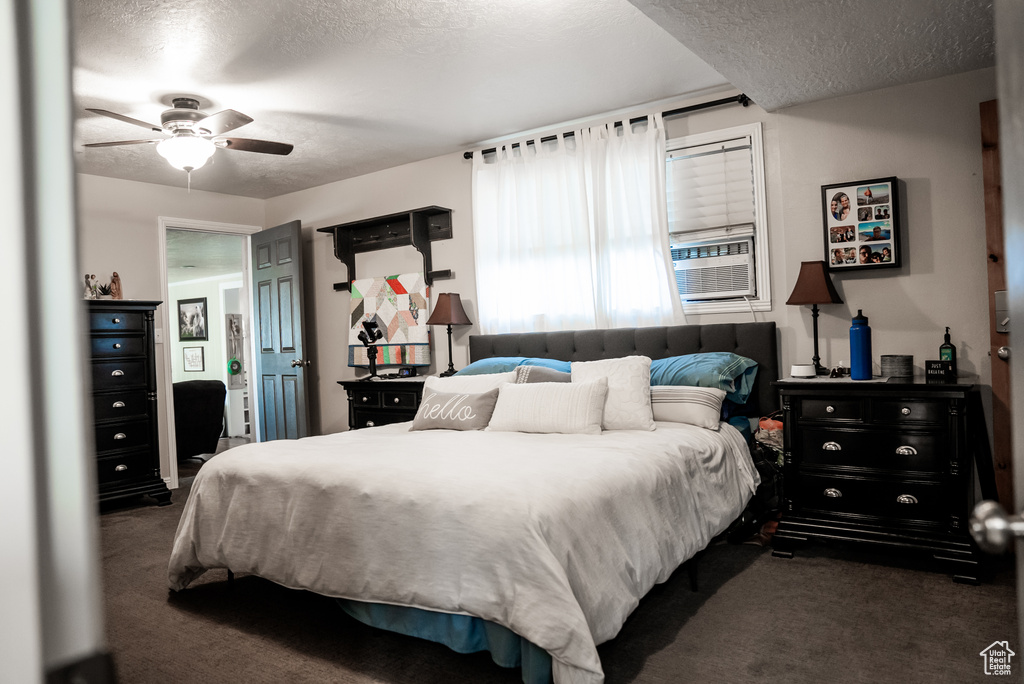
x=194 y=136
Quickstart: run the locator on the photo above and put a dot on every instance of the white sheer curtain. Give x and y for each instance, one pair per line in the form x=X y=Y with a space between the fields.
x=573 y=234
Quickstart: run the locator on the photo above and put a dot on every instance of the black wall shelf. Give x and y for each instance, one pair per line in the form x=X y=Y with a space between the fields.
x=418 y=228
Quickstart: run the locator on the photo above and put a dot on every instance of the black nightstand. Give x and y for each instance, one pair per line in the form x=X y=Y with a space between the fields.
x=380 y=402
x=887 y=463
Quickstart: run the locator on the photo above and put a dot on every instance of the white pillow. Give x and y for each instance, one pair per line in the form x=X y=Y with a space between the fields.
x=566 y=407
x=628 y=406
x=700 y=406
x=468 y=384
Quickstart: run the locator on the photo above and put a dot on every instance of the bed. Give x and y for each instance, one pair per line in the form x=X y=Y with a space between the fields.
x=534 y=546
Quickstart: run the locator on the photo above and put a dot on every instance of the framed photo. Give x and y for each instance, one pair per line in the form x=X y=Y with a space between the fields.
x=192 y=320
x=862 y=224
x=194 y=361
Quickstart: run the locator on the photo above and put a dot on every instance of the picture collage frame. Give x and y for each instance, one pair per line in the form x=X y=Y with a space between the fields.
x=862 y=224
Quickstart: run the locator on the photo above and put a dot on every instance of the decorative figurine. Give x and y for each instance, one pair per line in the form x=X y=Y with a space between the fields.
x=115 y=286
x=89 y=293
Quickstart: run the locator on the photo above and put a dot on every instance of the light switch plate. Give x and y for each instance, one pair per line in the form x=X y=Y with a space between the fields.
x=158 y=335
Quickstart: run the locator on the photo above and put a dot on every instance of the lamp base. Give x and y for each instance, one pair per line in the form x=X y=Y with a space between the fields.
x=821 y=370
x=447 y=373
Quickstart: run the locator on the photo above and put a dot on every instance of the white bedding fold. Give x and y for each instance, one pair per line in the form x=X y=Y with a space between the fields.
x=556 y=537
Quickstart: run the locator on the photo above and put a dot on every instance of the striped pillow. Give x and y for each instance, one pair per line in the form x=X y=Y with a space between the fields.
x=566 y=407
x=700 y=406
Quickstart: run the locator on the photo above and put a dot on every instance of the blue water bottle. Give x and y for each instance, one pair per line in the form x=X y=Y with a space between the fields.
x=860 y=348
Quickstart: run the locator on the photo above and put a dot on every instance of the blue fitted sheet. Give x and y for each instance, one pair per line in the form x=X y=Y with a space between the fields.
x=461 y=633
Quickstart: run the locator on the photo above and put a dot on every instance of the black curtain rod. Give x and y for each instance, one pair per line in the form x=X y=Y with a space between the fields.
x=740 y=99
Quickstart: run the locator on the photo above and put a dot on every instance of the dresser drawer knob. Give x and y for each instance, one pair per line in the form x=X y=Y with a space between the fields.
x=830 y=409
x=396 y=400
x=117 y=320
x=118 y=404
x=370 y=423
x=906 y=451
x=833 y=493
x=831 y=446
x=120 y=435
x=906 y=499
x=117 y=345
x=365 y=399
x=905 y=411
x=121 y=468
x=117 y=374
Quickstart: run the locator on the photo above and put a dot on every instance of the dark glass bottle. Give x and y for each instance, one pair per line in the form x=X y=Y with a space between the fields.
x=947 y=352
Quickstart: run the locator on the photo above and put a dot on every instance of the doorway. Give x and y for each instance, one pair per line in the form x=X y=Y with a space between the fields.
x=208 y=323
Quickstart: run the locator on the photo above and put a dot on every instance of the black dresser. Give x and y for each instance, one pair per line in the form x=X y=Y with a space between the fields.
x=380 y=402
x=887 y=463
x=125 y=400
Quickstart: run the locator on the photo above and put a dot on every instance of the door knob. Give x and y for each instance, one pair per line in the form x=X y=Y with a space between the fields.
x=298 y=363
x=1003 y=353
x=992 y=528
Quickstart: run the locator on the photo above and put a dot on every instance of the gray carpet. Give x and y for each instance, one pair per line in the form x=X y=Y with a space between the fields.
x=835 y=614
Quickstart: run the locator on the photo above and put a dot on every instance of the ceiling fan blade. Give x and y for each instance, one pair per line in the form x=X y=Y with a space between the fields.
x=225 y=121
x=250 y=145
x=126 y=119
x=123 y=142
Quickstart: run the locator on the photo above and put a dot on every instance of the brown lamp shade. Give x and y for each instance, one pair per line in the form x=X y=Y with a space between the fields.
x=448 y=311
x=813 y=286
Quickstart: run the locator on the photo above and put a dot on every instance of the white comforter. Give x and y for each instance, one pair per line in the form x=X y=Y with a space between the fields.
x=556 y=537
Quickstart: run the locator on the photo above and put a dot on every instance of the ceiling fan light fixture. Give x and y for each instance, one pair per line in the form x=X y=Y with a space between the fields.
x=186 y=151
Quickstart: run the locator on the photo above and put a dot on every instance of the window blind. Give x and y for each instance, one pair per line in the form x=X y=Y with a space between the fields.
x=711 y=186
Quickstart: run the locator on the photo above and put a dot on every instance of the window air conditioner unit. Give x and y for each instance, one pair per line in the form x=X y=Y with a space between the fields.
x=719 y=269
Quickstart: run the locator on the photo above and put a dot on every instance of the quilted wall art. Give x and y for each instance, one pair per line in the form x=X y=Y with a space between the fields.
x=399 y=304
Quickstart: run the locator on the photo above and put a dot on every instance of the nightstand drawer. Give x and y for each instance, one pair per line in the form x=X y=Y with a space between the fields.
x=884 y=451
x=898 y=412
x=375 y=418
x=407 y=400
x=366 y=399
x=831 y=409
x=891 y=499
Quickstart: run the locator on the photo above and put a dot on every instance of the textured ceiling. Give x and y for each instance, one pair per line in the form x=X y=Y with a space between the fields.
x=787 y=52
x=194 y=255
x=363 y=85
x=360 y=85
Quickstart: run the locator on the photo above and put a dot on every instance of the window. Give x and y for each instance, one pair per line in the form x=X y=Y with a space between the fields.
x=718 y=228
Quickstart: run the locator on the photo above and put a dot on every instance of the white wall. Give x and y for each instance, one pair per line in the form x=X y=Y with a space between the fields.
x=118 y=231
x=215 y=347
x=442 y=181
x=927 y=134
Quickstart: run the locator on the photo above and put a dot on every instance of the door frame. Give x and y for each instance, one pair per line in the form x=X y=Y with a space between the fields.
x=170 y=474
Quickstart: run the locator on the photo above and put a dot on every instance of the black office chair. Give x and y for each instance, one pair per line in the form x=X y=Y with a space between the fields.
x=198 y=417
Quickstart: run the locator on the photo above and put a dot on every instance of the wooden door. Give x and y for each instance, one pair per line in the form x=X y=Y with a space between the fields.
x=280 y=365
x=1002 y=411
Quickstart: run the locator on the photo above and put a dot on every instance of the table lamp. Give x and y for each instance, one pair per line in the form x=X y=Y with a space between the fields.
x=814 y=287
x=448 y=311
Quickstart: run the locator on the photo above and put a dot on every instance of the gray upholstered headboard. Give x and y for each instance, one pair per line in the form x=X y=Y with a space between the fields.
x=756 y=341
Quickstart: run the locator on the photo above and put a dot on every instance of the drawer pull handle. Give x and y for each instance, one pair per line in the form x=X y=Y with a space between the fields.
x=117 y=374
x=120 y=435
x=117 y=345
x=117 y=320
x=121 y=468
x=905 y=411
x=906 y=451
x=118 y=404
x=370 y=423
x=366 y=399
x=833 y=493
x=831 y=446
x=830 y=409
x=396 y=400
x=906 y=499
